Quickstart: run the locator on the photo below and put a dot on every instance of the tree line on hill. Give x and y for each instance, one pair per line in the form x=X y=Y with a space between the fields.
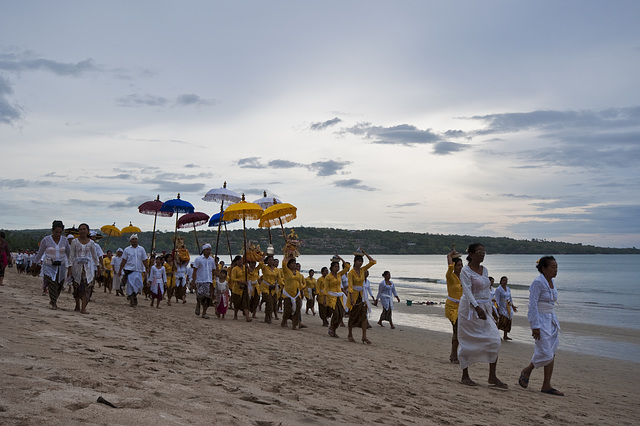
x=331 y=240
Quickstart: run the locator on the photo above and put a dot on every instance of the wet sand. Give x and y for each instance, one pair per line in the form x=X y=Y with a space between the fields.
x=166 y=366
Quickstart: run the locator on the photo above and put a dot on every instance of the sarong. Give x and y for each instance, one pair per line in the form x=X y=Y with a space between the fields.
x=504 y=323
x=385 y=315
x=54 y=289
x=358 y=313
x=289 y=313
x=479 y=340
x=337 y=314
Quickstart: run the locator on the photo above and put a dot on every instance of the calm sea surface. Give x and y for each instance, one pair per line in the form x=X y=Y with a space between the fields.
x=602 y=290
x=593 y=290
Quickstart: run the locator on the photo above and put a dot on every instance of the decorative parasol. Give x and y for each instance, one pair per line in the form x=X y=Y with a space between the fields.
x=71 y=231
x=153 y=208
x=265 y=201
x=195 y=219
x=110 y=231
x=277 y=214
x=177 y=206
x=245 y=211
x=223 y=195
x=130 y=229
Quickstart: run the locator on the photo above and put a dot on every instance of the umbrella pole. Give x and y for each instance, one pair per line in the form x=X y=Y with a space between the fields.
x=196 y=234
x=104 y=248
x=283 y=234
x=153 y=235
x=219 y=224
x=244 y=227
x=226 y=232
x=175 y=235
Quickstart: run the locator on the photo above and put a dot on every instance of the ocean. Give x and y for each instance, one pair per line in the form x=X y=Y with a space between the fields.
x=598 y=290
x=593 y=290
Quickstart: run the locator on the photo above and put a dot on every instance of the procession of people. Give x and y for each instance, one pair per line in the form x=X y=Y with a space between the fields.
x=248 y=283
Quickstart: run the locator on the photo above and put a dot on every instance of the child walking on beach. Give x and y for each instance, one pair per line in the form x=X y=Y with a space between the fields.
x=222 y=294
x=157 y=281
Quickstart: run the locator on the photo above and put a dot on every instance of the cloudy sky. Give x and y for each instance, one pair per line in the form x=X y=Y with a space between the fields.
x=488 y=118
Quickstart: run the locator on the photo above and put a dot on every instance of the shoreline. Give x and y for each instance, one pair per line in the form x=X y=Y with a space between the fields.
x=166 y=366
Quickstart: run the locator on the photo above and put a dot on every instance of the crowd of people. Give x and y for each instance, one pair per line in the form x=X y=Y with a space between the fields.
x=477 y=312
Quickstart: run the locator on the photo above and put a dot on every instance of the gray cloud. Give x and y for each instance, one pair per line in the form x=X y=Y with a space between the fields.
x=251 y=163
x=123 y=176
x=190 y=166
x=147 y=100
x=136 y=100
x=403 y=134
x=321 y=168
x=283 y=164
x=26 y=62
x=553 y=121
x=8 y=113
x=22 y=183
x=191 y=99
x=132 y=201
x=325 y=124
x=328 y=168
x=403 y=205
x=172 y=186
x=353 y=184
x=444 y=148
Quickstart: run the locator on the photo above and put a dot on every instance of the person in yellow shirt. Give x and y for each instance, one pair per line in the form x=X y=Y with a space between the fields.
x=310 y=291
x=321 y=294
x=293 y=281
x=269 y=286
x=238 y=282
x=107 y=271
x=252 y=287
x=454 y=291
x=171 y=280
x=335 y=297
x=358 y=301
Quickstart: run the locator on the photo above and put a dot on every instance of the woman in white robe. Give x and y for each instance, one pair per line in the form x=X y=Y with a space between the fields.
x=386 y=293
x=478 y=336
x=83 y=259
x=544 y=324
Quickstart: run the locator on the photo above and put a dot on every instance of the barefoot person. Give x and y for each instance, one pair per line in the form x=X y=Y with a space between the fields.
x=545 y=329
x=107 y=275
x=336 y=298
x=478 y=336
x=310 y=291
x=454 y=293
x=115 y=263
x=157 y=281
x=203 y=273
x=358 y=301
x=386 y=293
x=134 y=263
x=83 y=257
x=506 y=308
x=293 y=283
x=54 y=252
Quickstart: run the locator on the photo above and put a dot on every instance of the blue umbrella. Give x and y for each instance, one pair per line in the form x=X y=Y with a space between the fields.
x=215 y=219
x=177 y=206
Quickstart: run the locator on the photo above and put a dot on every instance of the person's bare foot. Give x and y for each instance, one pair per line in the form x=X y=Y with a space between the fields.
x=507 y=338
x=84 y=312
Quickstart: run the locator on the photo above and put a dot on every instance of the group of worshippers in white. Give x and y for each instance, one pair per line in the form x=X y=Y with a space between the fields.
x=478 y=337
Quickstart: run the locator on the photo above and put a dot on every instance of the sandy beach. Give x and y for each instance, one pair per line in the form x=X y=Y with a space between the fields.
x=166 y=366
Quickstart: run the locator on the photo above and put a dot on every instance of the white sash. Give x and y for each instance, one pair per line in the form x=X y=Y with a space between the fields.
x=340 y=294
x=365 y=299
x=453 y=300
x=293 y=300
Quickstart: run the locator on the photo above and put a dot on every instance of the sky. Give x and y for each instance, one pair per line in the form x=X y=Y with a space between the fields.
x=485 y=118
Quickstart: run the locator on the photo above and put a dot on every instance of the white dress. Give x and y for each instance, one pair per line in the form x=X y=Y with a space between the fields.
x=541 y=316
x=479 y=340
x=83 y=258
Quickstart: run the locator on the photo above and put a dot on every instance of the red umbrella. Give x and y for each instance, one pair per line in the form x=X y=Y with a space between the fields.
x=153 y=208
x=193 y=219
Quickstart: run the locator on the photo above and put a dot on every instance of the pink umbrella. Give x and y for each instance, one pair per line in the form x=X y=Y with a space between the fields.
x=193 y=219
x=153 y=208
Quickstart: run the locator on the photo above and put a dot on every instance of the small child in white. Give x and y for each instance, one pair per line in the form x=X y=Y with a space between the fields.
x=157 y=281
x=222 y=293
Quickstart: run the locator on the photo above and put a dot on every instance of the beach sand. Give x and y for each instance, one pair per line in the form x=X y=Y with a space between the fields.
x=166 y=366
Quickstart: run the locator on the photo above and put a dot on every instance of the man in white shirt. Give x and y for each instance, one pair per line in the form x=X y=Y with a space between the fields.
x=203 y=273
x=134 y=263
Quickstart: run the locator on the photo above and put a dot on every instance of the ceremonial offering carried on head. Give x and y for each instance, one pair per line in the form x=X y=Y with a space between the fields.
x=292 y=245
x=254 y=254
x=183 y=253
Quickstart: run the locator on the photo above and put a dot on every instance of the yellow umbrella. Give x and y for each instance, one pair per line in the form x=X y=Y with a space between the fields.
x=130 y=229
x=243 y=210
x=110 y=231
x=278 y=214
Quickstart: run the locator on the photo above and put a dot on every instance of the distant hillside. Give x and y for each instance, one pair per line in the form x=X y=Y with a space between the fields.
x=330 y=240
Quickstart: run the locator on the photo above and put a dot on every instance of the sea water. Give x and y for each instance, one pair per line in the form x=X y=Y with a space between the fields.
x=599 y=290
